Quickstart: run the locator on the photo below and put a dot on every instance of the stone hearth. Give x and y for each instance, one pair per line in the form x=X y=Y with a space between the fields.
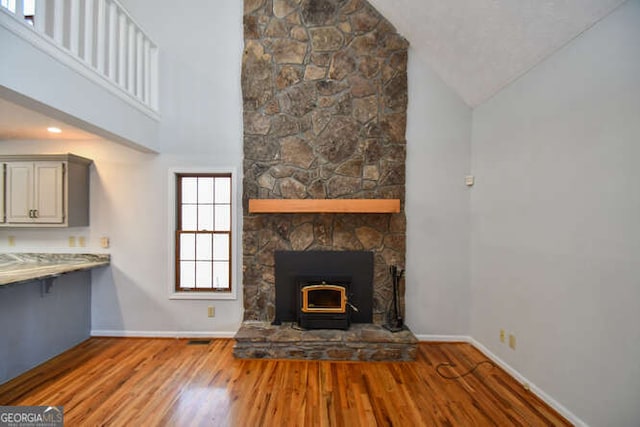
x=362 y=342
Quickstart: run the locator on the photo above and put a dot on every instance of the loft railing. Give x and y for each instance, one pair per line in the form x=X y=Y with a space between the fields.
x=98 y=35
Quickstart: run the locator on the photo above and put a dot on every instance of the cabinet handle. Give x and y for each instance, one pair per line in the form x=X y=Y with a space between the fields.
x=30 y=213
x=35 y=213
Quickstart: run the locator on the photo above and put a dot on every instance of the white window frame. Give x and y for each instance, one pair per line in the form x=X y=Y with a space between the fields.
x=236 y=278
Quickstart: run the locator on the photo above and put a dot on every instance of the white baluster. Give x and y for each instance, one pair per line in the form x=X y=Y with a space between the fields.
x=153 y=94
x=74 y=26
x=58 y=21
x=40 y=16
x=131 y=59
x=88 y=31
x=113 y=12
x=139 y=66
x=101 y=24
x=20 y=10
x=147 y=75
x=122 y=49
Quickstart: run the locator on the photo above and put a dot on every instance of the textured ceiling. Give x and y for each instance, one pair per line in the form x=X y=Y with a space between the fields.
x=479 y=46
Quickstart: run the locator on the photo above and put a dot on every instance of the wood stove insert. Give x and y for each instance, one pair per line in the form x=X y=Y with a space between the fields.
x=352 y=270
x=323 y=305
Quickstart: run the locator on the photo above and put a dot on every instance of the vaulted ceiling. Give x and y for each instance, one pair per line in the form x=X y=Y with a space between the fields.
x=477 y=47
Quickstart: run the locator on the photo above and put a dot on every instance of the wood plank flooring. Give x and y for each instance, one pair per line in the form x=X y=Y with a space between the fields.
x=165 y=382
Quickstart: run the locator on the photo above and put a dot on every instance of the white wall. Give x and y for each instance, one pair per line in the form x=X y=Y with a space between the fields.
x=555 y=222
x=437 y=205
x=201 y=126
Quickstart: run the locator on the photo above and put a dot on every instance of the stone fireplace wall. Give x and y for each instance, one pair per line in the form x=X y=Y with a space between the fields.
x=324 y=87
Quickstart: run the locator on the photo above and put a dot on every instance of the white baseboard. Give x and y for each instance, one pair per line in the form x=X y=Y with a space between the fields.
x=162 y=334
x=443 y=338
x=570 y=416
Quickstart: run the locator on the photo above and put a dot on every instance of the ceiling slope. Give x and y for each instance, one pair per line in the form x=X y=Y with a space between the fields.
x=480 y=46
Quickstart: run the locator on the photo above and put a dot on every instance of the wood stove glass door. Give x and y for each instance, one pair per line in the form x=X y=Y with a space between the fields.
x=323 y=298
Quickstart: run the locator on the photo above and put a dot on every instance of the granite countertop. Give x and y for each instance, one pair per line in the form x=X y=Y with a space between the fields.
x=25 y=267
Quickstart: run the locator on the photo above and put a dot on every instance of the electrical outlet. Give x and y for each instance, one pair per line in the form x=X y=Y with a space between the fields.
x=512 y=341
x=72 y=242
x=82 y=241
x=104 y=242
x=502 y=336
x=211 y=311
x=12 y=240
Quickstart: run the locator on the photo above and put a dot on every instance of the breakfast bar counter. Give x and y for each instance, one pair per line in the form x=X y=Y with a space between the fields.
x=25 y=267
x=45 y=304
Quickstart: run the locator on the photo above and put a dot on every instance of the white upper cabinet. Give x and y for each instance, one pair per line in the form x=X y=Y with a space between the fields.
x=19 y=192
x=46 y=191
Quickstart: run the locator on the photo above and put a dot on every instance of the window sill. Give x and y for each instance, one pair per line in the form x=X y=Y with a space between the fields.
x=203 y=296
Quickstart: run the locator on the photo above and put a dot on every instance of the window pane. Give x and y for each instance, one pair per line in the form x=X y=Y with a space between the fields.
x=187 y=247
x=189 y=190
x=223 y=218
x=205 y=217
x=189 y=217
x=221 y=247
x=223 y=190
x=203 y=247
x=205 y=190
x=203 y=274
x=187 y=274
x=221 y=274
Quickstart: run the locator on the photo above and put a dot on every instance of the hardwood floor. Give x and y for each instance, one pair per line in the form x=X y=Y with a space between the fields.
x=148 y=382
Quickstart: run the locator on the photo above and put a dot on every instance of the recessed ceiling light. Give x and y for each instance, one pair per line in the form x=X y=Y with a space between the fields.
x=54 y=129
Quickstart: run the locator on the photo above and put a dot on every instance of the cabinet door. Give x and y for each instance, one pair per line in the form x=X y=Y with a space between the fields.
x=19 y=189
x=48 y=200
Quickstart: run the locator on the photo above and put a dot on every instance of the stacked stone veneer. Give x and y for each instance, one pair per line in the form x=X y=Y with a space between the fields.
x=325 y=95
x=362 y=342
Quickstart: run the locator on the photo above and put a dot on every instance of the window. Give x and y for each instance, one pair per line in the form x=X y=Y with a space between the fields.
x=203 y=233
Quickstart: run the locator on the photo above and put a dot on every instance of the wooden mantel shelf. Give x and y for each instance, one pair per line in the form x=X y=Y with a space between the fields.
x=324 y=205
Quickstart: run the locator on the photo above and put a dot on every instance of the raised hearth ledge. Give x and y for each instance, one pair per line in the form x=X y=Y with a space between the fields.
x=324 y=205
x=361 y=342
